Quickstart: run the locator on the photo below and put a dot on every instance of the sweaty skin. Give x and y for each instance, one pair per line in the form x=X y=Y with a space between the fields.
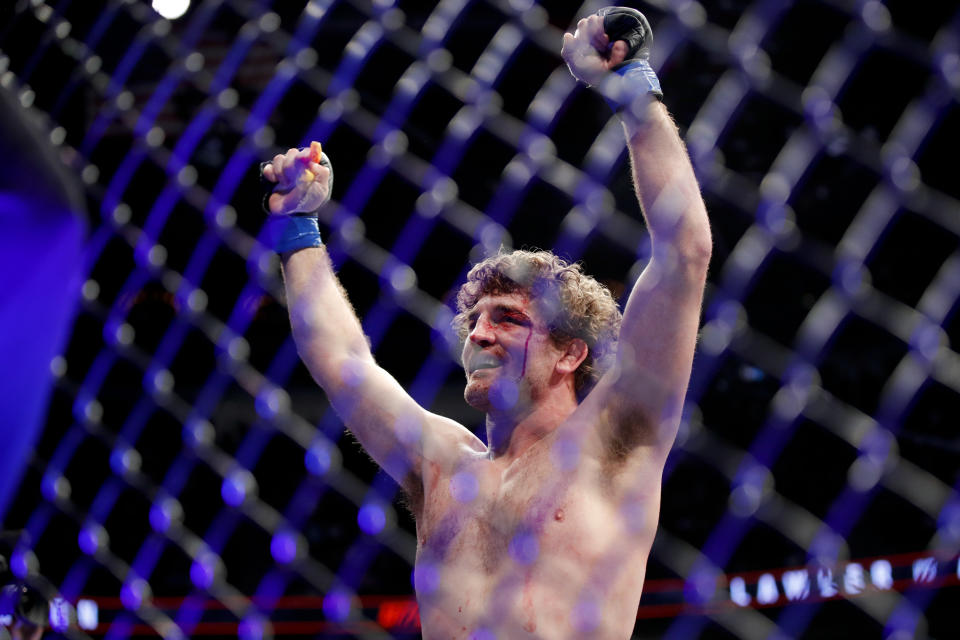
x=543 y=532
x=553 y=541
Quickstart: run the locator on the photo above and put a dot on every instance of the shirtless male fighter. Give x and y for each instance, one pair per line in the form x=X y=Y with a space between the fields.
x=543 y=532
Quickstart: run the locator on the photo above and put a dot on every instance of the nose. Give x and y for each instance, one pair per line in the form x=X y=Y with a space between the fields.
x=482 y=333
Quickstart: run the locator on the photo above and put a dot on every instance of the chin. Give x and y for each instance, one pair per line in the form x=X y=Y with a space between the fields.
x=477 y=396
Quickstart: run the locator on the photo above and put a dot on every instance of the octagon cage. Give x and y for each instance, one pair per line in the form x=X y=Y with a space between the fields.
x=170 y=469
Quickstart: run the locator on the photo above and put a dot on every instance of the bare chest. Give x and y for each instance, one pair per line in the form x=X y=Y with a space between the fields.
x=484 y=516
x=518 y=549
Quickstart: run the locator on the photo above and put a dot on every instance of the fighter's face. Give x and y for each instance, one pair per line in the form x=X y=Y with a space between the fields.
x=508 y=354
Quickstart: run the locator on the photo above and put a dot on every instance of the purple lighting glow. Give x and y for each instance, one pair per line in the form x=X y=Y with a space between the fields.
x=92 y=537
x=371 y=518
x=55 y=486
x=253 y=627
x=134 y=593
x=426 y=577
x=168 y=459
x=318 y=458
x=204 y=570
x=285 y=546
x=60 y=614
x=337 y=605
x=237 y=487
x=524 y=548
x=23 y=562
x=464 y=487
x=165 y=512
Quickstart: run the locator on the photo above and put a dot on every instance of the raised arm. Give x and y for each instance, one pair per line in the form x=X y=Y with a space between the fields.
x=661 y=317
x=662 y=314
x=394 y=430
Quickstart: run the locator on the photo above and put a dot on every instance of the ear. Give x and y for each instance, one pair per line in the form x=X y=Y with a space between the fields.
x=574 y=353
x=618 y=52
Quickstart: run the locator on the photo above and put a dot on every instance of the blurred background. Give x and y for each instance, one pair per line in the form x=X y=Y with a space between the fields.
x=169 y=469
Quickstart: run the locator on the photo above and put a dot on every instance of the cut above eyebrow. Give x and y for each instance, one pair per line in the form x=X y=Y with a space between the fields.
x=514 y=312
x=502 y=308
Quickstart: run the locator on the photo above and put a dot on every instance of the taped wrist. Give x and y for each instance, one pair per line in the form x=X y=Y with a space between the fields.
x=290 y=233
x=286 y=233
x=631 y=86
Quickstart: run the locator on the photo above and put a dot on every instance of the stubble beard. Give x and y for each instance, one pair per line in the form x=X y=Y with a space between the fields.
x=483 y=393
x=477 y=394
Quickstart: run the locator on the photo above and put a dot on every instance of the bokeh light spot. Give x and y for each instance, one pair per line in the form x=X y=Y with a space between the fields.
x=504 y=394
x=284 y=547
x=371 y=518
x=171 y=9
x=524 y=548
x=464 y=487
x=337 y=605
x=426 y=577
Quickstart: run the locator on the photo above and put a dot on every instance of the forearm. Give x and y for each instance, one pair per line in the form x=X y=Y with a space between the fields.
x=325 y=327
x=328 y=334
x=331 y=343
x=667 y=187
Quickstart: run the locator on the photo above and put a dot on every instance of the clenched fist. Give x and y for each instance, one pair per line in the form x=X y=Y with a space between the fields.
x=303 y=180
x=589 y=53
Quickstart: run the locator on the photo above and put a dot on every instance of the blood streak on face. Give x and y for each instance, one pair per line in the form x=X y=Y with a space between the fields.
x=526 y=347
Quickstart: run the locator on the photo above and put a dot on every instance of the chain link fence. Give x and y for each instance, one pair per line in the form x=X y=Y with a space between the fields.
x=190 y=478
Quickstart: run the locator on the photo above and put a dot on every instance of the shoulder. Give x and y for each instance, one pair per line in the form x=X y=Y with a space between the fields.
x=446 y=445
x=446 y=441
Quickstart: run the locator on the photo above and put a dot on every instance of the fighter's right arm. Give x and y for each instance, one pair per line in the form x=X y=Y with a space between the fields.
x=389 y=424
x=394 y=430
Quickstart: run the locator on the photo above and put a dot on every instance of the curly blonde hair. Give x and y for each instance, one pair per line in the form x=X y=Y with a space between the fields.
x=572 y=304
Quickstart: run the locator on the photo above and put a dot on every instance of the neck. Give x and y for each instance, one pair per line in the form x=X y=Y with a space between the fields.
x=510 y=433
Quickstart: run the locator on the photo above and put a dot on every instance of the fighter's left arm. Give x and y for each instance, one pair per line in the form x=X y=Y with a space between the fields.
x=642 y=396
x=662 y=314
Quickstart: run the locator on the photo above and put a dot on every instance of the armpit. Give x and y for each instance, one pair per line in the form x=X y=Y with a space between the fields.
x=411 y=495
x=628 y=429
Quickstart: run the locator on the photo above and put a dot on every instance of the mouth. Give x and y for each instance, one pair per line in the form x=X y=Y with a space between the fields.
x=482 y=362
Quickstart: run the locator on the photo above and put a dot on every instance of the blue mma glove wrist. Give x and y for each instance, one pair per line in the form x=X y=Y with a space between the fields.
x=634 y=77
x=631 y=86
x=286 y=233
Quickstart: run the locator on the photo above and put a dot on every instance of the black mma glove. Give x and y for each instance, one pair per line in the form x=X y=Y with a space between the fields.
x=633 y=78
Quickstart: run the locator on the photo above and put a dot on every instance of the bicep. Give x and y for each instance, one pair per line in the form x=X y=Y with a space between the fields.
x=394 y=430
x=657 y=342
x=391 y=426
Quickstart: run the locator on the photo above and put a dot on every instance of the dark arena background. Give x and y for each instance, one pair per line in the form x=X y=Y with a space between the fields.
x=169 y=469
